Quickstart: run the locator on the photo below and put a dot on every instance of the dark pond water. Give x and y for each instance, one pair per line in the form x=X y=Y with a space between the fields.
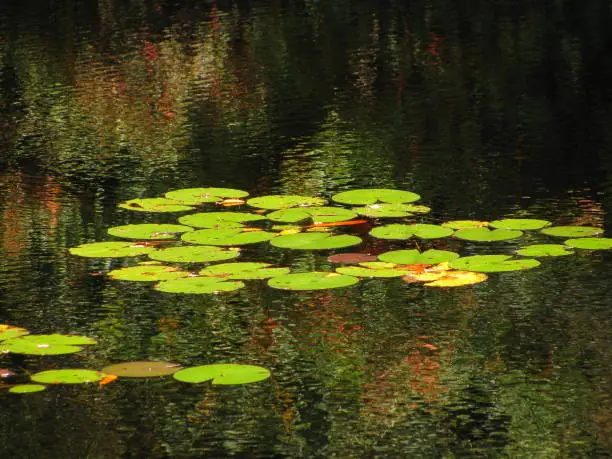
x=487 y=109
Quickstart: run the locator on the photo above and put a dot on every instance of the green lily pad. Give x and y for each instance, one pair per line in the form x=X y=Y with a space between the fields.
x=492 y=263
x=68 y=376
x=54 y=344
x=401 y=231
x=141 y=369
x=194 y=196
x=27 y=388
x=544 y=250
x=520 y=223
x=374 y=269
x=312 y=281
x=219 y=219
x=10 y=332
x=243 y=271
x=572 y=231
x=318 y=214
x=227 y=236
x=392 y=210
x=315 y=241
x=285 y=201
x=487 y=235
x=194 y=254
x=414 y=257
x=154 y=205
x=150 y=231
x=464 y=224
x=198 y=285
x=110 y=250
x=591 y=243
x=374 y=195
x=223 y=374
x=147 y=273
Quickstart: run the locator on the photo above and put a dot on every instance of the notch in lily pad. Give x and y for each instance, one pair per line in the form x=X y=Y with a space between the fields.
x=156 y=205
x=400 y=231
x=150 y=231
x=487 y=235
x=195 y=196
x=373 y=195
x=315 y=241
x=317 y=280
x=493 y=263
x=194 y=254
x=227 y=236
x=316 y=214
x=243 y=271
x=220 y=219
x=223 y=374
x=285 y=201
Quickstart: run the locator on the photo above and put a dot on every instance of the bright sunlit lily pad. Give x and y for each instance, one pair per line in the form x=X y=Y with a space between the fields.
x=544 y=250
x=520 y=223
x=53 y=344
x=227 y=236
x=10 y=332
x=285 y=201
x=68 y=376
x=223 y=374
x=151 y=231
x=315 y=241
x=110 y=250
x=400 y=231
x=590 y=243
x=147 y=273
x=572 y=231
x=374 y=269
x=493 y=263
x=390 y=210
x=142 y=369
x=27 y=388
x=219 y=219
x=317 y=214
x=194 y=254
x=414 y=257
x=464 y=224
x=317 y=280
x=198 y=285
x=374 y=195
x=155 y=205
x=447 y=278
x=487 y=235
x=244 y=271
x=194 y=196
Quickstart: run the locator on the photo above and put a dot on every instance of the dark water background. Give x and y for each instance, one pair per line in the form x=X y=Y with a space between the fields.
x=487 y=109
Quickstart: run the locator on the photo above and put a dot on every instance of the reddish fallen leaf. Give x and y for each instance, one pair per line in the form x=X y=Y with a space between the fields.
x=108 y=379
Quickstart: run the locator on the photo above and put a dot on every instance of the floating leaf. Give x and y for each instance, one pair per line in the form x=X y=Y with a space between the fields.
x=155 y=205
x=53 y=344
x=401 y=231
x=591 y=243
x=244 y=271
x=149 y=231
x=374 y=269
x=414 y=257
x=487 y=235
x=27 y=388
x=223 y=374
x=544 y=250
x=69 y=376
x=447 y=278
x=315 y=241
x=350 y=258
x=194 y=196
x=110 y=250
x=318 y=214
x=275 y=202
x=147 y=273
x=374 y=195
x=312 y=281
x=219 y=219
x=10 y=332
x=492 y=263
x=464 y=224
x=194 y=254
x=572 y=231
x=198 y=285
x=227 y=236
x=520 y=223
x=390 y=210
x=142 y=369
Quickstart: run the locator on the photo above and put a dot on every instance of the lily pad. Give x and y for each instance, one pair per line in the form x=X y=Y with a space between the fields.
x=447 y=278
x=147 y=273
x=572 y=231
x=198 y=285
x=27 y=388
x=464 y=224
x=54 y=344
x=244 y=271
x=142 y=369
x=315 y=241
x=151 y=231
x=492 y=263
x=520 y=223
x=194 y=196
x=591 y=243
x=223 y=374
x=285 y=201
x=391 y=210
x=374 y=195
x=219 y=219
x=318 y=214
x=487 y=235
x=155 y=205
x=317 y=280
x=194 y=254
x=68 y=376
x=227 y=236
x=374 y=269
x=401 y=231
x=350 y=258
x=110 y=250
x=414 y=257
x=10 y=332
x=544 y=250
